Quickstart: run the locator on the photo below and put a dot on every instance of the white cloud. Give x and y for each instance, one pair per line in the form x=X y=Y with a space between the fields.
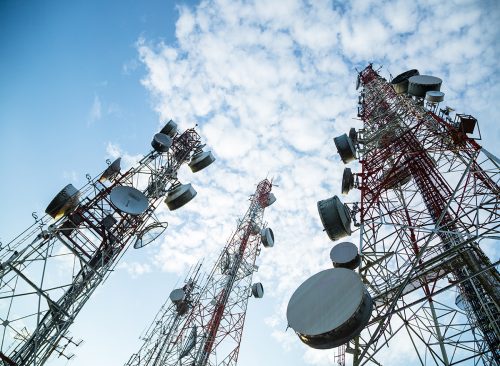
x=95 y=112
x=270 y=84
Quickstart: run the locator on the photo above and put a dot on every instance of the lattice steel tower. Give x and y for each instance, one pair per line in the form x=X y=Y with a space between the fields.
x=48 y=272
x=202 y=322
x=430 y=197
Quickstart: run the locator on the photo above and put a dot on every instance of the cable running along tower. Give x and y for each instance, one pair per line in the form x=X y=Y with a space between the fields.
x=48 y=272
x=429 y=203
x=202 y=322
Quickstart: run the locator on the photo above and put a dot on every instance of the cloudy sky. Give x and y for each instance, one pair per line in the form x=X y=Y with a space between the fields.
x=269 y=84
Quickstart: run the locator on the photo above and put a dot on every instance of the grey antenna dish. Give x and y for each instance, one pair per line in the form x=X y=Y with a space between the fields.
x=258 y=290
x=330 y=308
x=400 y=82
x=201 y=160
x=345 y=148
x=433 y=96
x=177 y=295
x=149 y=234
x=161 y=142
x=179 y=195
x=129 y=200
x=64 y=202
x=169 y=129
x=335 y=217
x=267 y=237
x=271 y=198
x=419 y=85
x=347 y=181
x=345 y=255
x=111 y=171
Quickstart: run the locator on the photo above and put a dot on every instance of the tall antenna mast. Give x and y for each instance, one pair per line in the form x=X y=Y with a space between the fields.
x=48 y=272
x=202 y=322
x=429 y=197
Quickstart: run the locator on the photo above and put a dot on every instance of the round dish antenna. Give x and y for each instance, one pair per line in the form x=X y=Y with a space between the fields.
x=269 y=200
x=64 y=202
x=258 y=290
x=335 y=217
x=330 y=308
x=419 y=85
x=267 y=237
x=347 y=181
x=177 y=295
x=345 y=148
x=179 y=195
x=400 y=82
x=161 y=142
x=201 y=160
x=345 y=255
x=170 y=129
x=433 y=96
x=149 y=234
x=111 y=171
x=129 y=200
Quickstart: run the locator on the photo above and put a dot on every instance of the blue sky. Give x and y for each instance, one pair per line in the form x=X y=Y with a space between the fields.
x=269 y=83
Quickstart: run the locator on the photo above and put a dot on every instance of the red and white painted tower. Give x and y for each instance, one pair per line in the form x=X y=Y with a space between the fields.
x=202 y=322
x=429 y=201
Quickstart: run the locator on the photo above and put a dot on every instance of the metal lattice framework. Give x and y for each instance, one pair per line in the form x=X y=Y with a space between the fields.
x=429 y=199
x=49 y=271
x=209 y=332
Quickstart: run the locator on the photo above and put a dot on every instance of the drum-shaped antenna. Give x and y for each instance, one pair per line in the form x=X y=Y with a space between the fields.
x=345 y=255
x=269 y=200
x=177 y=295
x=111 y=171
x=345 y=148
x=161 y=142
x=169 y=129
x=400 y=82
x=64 y=202
x=434 y=96
x=330 y=308
x=419 y=85
x=179 y=196
x=129 y=200
x=201 y=160
x=258 y=290
x=347 y=181
x=267 y=237
x=335 y=217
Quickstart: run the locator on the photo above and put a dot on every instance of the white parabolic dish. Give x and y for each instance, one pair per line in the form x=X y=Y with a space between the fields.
x=128 y=200
x=325 y=301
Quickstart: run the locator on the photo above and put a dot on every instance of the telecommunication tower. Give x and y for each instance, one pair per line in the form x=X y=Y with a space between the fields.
x=48 y=272
x=430 y=199
x=202 y=322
